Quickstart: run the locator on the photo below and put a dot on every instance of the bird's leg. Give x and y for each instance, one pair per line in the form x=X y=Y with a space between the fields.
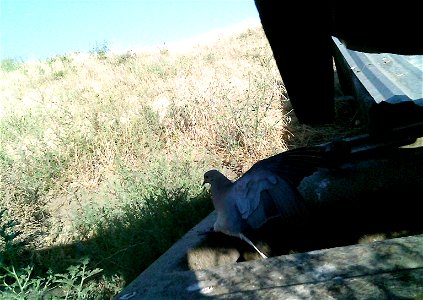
x=244 y=238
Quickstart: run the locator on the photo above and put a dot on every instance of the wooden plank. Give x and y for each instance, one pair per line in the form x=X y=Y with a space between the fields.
x=388 y=269
x=397 y=285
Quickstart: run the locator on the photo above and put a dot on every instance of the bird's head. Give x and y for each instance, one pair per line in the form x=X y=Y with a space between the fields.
x=214 y=177
x=219 y=186
x=210 y=176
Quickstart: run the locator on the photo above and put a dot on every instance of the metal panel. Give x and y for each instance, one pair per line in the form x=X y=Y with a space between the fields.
x=387 y=77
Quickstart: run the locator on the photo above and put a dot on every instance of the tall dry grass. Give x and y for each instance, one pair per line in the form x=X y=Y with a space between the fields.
x=102 y=155
x=87 y=137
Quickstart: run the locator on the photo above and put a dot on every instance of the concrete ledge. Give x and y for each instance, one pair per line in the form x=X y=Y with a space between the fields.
x=202 y=265
x=390 y=269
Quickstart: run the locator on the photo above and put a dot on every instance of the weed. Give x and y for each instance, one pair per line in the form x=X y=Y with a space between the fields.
x=101 y=50
x=20 y=281
x=102 y=156
x=10 y=64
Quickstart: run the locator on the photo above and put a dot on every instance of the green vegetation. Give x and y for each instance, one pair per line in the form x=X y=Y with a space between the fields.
x=100 y=50
x=10 y=64
x=102 y=156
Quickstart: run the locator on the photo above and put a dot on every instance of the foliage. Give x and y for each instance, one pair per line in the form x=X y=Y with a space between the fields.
x=102 y=156
x=101 y=50
x=19 y=281
x=10 y=64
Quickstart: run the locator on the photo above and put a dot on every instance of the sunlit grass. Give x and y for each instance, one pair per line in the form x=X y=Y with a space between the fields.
x=102 y=156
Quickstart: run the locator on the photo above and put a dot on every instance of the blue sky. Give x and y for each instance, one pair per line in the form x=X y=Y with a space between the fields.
x=38 y=29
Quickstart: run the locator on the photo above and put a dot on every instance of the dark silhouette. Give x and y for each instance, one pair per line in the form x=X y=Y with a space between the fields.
x=300 y=35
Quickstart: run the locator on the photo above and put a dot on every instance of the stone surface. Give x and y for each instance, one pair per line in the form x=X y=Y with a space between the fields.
x=384 y=216
x=390 y=269
x=204 y=257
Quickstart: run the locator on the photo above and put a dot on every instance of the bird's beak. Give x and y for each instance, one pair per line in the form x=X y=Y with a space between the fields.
x=206 y=183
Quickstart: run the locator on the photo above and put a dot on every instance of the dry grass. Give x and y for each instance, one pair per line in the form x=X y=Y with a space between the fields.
x=84 y=136
x=222 y=102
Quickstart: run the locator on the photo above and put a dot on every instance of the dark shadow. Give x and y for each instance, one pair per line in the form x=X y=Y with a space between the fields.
x=350 y=119
x=360 y=273
x=127 y=244
x=369 y=200
x=376 y=199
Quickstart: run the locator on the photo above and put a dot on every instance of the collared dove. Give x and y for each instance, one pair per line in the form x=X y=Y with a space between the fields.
x=341 y=171
x=267 y=190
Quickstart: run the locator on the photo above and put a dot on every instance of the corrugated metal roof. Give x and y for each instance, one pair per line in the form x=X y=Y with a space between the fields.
x=387 y=77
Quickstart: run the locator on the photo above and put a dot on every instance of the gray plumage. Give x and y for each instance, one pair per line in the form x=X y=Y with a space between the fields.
x=266 y=191
x=251 y=200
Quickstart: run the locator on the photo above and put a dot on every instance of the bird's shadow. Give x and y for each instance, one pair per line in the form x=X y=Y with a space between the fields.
x=377 y=215
x=360 y=201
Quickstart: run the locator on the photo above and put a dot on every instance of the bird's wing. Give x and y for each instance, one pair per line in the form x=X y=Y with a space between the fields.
x=268 y=188
x=262 y=195
x=293 y=165
x=246 y=190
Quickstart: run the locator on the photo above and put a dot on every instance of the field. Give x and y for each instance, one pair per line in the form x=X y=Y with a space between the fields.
x=102 y=155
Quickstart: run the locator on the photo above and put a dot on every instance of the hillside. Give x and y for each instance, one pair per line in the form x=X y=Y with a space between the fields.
x=102 y=155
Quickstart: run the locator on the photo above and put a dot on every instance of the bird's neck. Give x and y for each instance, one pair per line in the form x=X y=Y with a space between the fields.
x=219 y=192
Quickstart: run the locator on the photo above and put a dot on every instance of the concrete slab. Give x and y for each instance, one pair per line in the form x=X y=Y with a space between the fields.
x=202 y=264
x=390 y=269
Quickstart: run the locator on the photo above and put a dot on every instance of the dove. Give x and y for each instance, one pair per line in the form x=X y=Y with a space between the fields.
x=278 y=186
x=267 y=190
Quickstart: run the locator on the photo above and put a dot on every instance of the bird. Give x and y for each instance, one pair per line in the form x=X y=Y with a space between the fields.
x=266 y=191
